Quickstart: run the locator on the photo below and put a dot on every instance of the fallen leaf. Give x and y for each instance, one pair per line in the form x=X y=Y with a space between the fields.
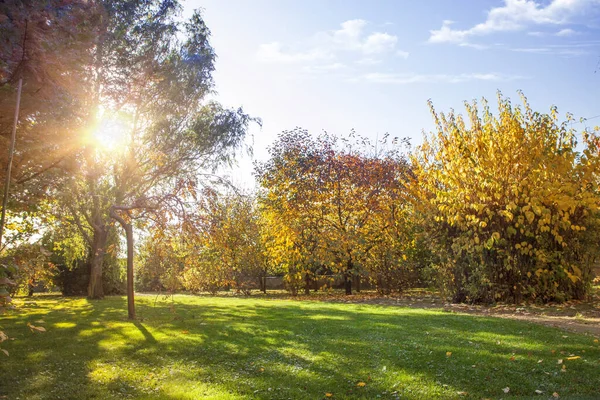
x=560 y=361
x=573 y=358
x=462 y=393
x=596 y=340
x=538 y=392
x=4 y=351
x=36 y=328
x=262 y=369
x=540 y=361
x=361 y=384
x=328 y=394
x=506 y=389
x=40 y=321
x=555 y=395
x=448 y=353
x=512 y=358
x=564 y=369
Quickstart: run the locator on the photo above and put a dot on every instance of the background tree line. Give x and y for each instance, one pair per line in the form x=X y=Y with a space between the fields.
x=489 y=208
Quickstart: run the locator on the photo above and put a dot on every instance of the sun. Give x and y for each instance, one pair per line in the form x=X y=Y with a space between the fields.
x=110 y=133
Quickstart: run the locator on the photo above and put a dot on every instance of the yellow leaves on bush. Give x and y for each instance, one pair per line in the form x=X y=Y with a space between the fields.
x=508 y=191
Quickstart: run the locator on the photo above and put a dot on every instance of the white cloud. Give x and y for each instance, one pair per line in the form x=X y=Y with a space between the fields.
x=351 y=37
x=553 y=51
x=566 y=32
x=514 y=15
x=316 y=69
x=403 y=54
x=379 y=43
x=403 y=79
x=561 y=33
x=369 y=61
x=274 y=52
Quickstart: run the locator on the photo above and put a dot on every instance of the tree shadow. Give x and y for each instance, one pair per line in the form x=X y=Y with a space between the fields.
x=245 y=348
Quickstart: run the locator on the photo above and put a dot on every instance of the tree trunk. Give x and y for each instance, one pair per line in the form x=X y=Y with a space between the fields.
x=306 y=284
x=357 y=283
x=126 y=225
x=130 y=299
x=348 y=278
x=11 y=153
x=95 y=289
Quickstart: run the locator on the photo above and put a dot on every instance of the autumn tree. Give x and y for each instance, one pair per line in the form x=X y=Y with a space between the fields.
x=226 y=244
x=322 y=196
x=292 y=226
x=509 y=204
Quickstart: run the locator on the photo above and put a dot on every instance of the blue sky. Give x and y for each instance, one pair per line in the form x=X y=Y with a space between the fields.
x=338 y=65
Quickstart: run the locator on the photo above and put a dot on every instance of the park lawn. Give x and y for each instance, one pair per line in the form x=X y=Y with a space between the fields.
x=247 y=348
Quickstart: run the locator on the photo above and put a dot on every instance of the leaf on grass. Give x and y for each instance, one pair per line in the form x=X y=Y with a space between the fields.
x=36 y=328
x=40 y=321
x=573 y=358
x=448 y=353
x=361 y=384
x=564 y=369
x=261 y=369
x=538 y=392
x=506 y=389
x=328 y=394
x=540 y=361
x=560 y=361
x=462 y=393
x=185 y=332
x=596 y=341
x=555 y=395
x=512 y=358
x=4 y=351
x=3 y=336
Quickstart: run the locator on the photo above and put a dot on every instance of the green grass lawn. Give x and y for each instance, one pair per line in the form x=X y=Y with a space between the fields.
x=222 y=348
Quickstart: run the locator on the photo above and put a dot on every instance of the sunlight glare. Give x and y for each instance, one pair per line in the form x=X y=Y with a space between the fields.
x=110 y=133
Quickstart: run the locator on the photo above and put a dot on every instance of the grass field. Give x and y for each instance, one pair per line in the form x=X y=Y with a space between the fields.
x=222 y=348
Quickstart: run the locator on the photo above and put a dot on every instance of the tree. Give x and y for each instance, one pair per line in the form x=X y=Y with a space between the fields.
x=511 y=208
x=225 y=244
x=152 y=74
x=321 y=199
x=42 y=53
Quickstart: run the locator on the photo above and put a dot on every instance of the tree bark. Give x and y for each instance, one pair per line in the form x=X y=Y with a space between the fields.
x=130 y=299
x=357 y=283
x=306 y=284
x=11 y=153
x=348 y=278
x=129 y=236
x=95 y=288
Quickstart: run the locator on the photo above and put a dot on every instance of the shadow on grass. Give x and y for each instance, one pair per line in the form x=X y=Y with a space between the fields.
x=248 y=348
